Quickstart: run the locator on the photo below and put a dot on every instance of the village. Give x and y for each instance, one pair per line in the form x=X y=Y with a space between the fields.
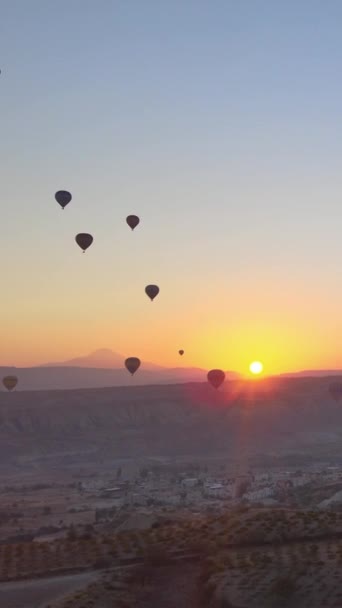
x=91 y=500
x=202 y=491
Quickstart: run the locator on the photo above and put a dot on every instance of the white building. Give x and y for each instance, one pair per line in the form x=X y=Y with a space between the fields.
x=190 y=482
x=256 y=495
x=215 y=490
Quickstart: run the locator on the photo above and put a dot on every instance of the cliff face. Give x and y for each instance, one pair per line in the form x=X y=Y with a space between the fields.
x=193 y=419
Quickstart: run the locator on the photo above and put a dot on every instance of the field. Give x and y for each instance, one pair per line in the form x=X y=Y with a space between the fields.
x=254 y=557
x=244 y=527
x=167 y=586
x=301 y=575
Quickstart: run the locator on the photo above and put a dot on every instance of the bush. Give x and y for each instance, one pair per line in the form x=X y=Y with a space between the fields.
x=284 y=587
x=72 y=534
x=101 y=563
x=156 y=557
x=141 y=575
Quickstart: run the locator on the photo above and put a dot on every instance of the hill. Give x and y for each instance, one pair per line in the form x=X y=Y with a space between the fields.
x=275 y=418
x=102 y=368
x=312 y=373
x=69 y=377
x=243 y=557
x=105 y=368
x=103 y=358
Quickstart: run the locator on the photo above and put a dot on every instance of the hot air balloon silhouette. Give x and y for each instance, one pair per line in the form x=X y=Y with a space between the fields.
x=132 y=364
x=10 y=382
x=216 y=377
x=84 y=240
x=132 y=221
x=152 y=291
x=181 y=352
x=63 y=198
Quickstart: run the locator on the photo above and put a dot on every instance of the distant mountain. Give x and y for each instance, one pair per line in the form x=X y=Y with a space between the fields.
x=69 y=377
x=105 y=368
x=103 y=358
x=312 y=373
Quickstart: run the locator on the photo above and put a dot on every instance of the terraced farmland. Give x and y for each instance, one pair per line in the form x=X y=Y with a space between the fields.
x=300 y=575
x=203 y=535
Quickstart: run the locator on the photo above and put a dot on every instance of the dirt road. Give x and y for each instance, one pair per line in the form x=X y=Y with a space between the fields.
x=39 y=593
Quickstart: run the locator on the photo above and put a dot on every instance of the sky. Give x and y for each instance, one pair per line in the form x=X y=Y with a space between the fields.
x=219 y=124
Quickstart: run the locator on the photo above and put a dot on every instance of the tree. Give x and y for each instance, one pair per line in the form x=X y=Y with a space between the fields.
x=142 y=574
x=155 y=556
x=283 y=588
x=72 y=535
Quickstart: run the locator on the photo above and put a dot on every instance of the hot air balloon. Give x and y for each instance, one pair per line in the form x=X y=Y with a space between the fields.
x=132 y=221
x=181 y=352
x=152 y=291
x=216 y=377
x=10 y=382
x=335 y=390
x=63 y=198
x=132 y=364
x=84 y=240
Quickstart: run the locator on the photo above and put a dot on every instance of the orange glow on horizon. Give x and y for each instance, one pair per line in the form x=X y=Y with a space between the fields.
x=248 y=268
x=281 y=344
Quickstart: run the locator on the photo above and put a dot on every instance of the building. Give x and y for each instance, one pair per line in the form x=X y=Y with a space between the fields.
x=215 y=490
x=190 y=482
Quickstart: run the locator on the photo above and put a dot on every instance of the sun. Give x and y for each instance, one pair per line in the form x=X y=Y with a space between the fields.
x=256 y=367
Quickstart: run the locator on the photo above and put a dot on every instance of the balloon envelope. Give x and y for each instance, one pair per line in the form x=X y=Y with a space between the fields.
x=132 y=221
x=152 y=291
x=10 y=382
x=132 y=364
x=63 y=198
x=84 y=240
x=216 y=377
x=335 y=390
x=181 y=352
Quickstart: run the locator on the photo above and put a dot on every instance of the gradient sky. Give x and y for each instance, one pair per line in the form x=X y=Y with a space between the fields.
x=219 y=123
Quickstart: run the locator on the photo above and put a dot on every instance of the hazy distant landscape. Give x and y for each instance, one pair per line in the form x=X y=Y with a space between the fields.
x=103 y=487
x=291 y=415
x=158 y=489
x=100 y=369
x=105 y=368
